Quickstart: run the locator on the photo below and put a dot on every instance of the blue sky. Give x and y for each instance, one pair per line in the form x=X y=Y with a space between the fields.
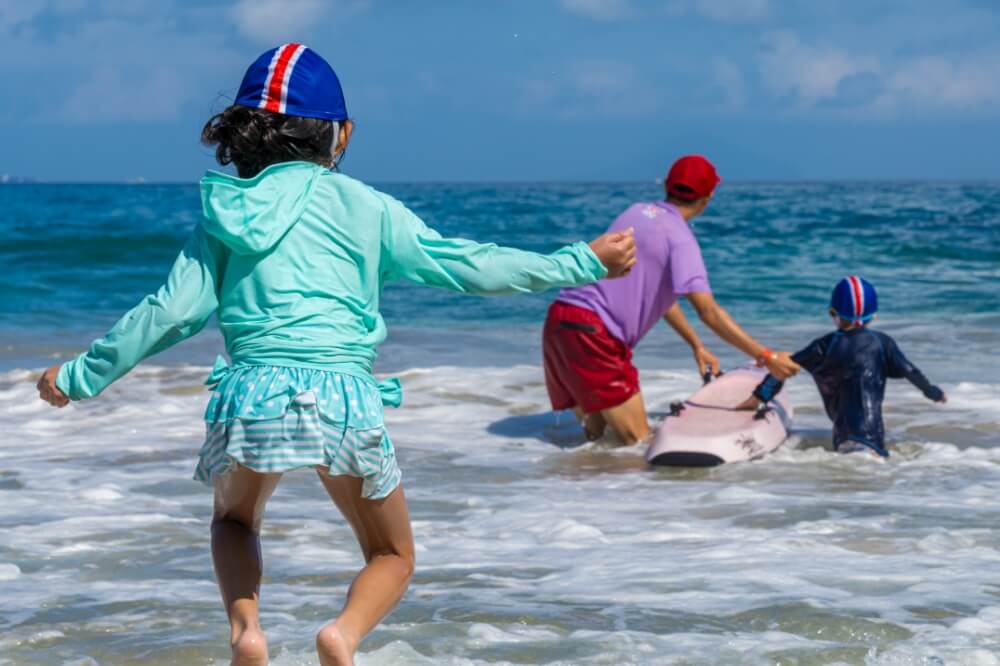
x=521 y=89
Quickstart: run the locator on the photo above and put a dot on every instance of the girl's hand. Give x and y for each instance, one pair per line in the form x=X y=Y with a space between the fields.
x=706 y=361
x=781 y=365
x=47 y=389
x=616 y=251
x=751 y=403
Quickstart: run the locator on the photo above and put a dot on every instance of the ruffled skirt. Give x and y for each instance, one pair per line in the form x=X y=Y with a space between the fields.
x=275 y=419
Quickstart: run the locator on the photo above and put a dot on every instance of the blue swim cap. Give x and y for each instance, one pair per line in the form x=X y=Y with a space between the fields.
x=854 y=299
x=294 y=80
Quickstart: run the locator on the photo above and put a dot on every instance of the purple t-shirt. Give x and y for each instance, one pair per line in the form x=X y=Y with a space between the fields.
x=668 y=265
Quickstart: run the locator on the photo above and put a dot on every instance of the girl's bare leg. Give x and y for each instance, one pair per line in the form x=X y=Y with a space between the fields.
x=383 y=531
x=240 y=497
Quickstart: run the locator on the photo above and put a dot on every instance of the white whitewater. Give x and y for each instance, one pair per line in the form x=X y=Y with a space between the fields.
x=532 y=547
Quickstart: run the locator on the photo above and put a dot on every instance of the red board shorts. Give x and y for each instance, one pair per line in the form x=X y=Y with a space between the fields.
x=584 y=364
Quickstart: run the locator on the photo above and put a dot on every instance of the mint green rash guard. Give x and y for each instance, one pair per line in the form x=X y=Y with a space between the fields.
x=293 y=262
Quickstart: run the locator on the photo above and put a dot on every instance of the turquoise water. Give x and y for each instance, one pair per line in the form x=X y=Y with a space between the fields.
x=76 y=257
x=81 y=254
x=528 y=552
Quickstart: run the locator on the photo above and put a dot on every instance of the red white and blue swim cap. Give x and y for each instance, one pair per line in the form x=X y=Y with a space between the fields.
x=854 y=299
x=294 y=80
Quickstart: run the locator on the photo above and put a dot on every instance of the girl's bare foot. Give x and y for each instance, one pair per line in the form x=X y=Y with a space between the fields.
x=334 y=647
x=249 y=648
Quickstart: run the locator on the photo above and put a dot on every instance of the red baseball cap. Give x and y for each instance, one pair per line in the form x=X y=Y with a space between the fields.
x=692 y=177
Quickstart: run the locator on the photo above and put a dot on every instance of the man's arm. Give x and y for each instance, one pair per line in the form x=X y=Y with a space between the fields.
x=706 y=360
x=779 y=364
x=808 y=358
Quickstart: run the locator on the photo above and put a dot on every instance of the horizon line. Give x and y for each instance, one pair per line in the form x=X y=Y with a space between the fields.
x=26 y=180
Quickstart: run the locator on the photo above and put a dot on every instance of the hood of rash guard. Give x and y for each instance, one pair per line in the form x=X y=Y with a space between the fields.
x=250 y=215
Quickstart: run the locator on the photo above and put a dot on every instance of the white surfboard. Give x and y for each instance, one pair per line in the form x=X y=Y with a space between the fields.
x=706 y=430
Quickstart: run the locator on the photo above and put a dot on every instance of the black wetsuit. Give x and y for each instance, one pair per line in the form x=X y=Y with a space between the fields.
x=850 y=368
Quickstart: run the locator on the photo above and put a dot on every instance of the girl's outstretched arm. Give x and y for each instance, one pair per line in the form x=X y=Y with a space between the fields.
x=413 y=251
x=178 y=310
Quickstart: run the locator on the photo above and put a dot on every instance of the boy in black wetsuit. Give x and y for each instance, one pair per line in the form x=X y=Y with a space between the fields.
x=850 y=367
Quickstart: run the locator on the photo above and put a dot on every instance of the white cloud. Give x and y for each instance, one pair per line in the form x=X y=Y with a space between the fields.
x=110 y=95
x=14 y=13
x=18 y=13
x=128 y=62
x=274 y=21
x=809 y=73
x=602 y=79
x=728 y=78
x=591 y=88
x=602 y=10
x=936 y=82
x=814 y=75
x=731 y=11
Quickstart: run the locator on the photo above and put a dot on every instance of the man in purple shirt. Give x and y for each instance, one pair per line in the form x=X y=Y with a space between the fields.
x=590 y=331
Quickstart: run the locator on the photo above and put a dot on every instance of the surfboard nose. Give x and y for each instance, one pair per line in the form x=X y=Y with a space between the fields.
x=686 y=459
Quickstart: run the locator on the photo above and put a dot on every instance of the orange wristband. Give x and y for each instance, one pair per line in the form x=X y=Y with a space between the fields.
x=765 y=355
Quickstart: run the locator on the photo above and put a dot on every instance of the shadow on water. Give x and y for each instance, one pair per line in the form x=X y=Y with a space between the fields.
x=557 y=428
x=575 y=457
x=812 y=438
x=581 y=458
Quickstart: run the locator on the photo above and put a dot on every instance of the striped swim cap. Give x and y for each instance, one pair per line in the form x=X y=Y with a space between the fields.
x=294 y=80
x=854 y=299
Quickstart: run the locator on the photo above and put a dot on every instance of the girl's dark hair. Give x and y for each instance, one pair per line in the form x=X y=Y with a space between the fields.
x=254 y=139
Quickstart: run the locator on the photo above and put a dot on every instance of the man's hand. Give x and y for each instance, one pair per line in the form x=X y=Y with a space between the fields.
x=616 y=251
x=706 y=360
x=782 y=366
x=47 y=389
x=779 y=364
x=750 y=404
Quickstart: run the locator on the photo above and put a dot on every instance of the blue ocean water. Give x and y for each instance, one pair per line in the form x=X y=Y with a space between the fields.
x=75 y=257
x=532 y=548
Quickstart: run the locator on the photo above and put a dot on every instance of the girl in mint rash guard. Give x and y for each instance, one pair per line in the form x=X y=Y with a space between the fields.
x=292 y=257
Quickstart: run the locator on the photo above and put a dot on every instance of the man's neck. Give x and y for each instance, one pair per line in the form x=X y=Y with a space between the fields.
x=687 y=212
